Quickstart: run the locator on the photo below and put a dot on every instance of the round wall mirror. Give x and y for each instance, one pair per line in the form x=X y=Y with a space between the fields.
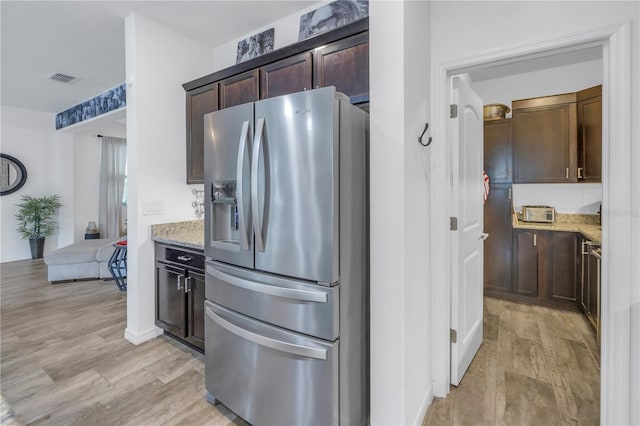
x=13 y=174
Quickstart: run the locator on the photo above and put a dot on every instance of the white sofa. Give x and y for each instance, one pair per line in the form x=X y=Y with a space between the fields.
x=86 y=259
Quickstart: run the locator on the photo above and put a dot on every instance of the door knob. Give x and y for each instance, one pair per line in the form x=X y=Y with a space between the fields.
x=484 y=236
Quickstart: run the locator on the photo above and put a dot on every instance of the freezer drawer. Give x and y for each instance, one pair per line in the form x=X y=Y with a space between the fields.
x=296 y=305
x=267 y=375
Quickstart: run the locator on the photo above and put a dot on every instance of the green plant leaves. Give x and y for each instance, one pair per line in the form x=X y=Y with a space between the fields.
x=36 y=216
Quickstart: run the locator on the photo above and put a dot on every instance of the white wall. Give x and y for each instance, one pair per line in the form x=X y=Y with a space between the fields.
x=86 y=187
x=158 y=61
x=573 y=198
x=30 y=136
x=463 y=30
x=552 y=81
x=400 y=342
x=285 y=33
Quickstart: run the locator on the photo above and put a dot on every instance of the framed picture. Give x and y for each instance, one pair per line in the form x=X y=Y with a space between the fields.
x=256 y=45
x=332 y=16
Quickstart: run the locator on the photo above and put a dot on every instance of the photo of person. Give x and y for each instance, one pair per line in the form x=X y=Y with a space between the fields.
x=332 y=16
x=256 y=45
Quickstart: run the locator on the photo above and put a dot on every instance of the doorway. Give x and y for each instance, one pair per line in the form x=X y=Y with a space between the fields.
x=616 y=282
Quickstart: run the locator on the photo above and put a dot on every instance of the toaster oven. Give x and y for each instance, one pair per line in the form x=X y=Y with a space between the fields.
x=544 y=214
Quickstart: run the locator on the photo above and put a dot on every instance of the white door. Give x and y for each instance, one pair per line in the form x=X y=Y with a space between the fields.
x=467 y=240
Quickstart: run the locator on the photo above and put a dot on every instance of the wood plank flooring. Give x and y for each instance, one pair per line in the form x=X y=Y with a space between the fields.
x=536 y=366
x=64 y=360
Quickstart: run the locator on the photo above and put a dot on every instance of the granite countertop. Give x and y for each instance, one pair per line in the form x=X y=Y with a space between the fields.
x=586 y=224
x=189 y=234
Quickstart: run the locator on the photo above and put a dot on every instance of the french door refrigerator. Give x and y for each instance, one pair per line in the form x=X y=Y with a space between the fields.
x=286 y=241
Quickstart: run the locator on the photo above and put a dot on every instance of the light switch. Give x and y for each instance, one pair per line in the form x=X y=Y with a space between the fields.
x=152 y=207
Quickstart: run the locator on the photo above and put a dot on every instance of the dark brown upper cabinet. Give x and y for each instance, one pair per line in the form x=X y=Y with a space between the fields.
x=239 y=89
x=200 y=101
x=345 y=65
x=497 y=150
x=336 y=58
x=590 y=134
x=544 y=139
x=289 y=75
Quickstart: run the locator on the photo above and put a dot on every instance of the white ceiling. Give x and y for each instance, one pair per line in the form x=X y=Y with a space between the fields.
x=86 y=39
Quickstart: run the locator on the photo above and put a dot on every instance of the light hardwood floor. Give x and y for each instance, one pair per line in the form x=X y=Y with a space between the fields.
x=536 y=366
x=64 y=361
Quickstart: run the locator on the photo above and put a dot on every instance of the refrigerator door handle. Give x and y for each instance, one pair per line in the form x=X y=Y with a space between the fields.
x=255 y=208
x=288 y=293
x=244 y=133
x=268 y=342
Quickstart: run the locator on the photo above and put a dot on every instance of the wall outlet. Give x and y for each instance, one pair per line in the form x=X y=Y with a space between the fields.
x=152 y=207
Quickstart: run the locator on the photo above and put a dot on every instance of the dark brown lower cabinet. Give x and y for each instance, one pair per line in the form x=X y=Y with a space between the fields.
x=526 y=262
x=497 y=247
x=564 y=258
x=180 y=289
x=547 y=265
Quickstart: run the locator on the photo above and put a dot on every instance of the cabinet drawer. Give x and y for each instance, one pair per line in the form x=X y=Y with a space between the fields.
x=179 y=256
x=296 y=305
x=245 y=358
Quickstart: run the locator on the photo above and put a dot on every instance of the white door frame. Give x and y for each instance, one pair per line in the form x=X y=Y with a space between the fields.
x=616 y=206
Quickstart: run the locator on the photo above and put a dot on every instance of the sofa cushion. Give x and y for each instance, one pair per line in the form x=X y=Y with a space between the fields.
x=80 y=252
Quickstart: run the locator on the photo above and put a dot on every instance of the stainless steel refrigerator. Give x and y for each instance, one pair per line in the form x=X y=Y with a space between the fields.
x=286 y=240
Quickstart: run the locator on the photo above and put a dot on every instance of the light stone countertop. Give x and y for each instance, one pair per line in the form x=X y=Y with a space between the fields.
x=586 y=224
x=189 y=234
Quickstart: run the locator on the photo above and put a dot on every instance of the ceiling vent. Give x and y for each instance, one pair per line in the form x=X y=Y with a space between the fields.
x=62 y=78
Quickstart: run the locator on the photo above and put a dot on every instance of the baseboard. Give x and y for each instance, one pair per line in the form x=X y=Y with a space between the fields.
x=424 y=406
x=137 y=338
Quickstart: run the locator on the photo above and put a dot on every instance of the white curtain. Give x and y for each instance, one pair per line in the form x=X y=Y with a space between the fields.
x=113 y=162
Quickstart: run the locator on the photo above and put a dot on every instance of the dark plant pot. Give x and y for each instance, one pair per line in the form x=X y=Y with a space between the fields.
x=37 y=247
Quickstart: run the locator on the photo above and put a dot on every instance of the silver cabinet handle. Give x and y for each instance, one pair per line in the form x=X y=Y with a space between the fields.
x=185 y=258
x=287 y=293
x=535 y=240
x=580 y=173
x=567 y=173
x=187 y=284
x=484 y=236
x=509 y=193
x=268 y=342
x=178 y=281
x=244 y=133
x=255 y=208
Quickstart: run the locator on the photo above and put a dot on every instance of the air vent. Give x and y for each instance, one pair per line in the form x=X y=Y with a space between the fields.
x=62 y=78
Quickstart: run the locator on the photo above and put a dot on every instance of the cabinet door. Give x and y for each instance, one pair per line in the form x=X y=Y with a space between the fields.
x=199 y=102
x=170 y=299
x=525 y=262
x=544 y=144
x=594 y=289
x=590 y=139
x=583 y=279
x=497 y=150
x=196 y=308
x=239 y=89
x=345 y=65
x=564 y=258
x=289 y=75
x=497 y=247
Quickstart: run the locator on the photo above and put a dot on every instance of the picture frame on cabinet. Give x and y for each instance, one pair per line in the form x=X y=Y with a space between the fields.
x=331 y=16
x=254 y=46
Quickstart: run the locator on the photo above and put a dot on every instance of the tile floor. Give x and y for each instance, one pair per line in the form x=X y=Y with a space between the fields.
x=536 y=366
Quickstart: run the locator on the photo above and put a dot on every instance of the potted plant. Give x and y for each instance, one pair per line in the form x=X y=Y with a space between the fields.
x=36 y=220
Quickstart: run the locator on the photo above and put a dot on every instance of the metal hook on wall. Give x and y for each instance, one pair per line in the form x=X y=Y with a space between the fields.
x=426 y=126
